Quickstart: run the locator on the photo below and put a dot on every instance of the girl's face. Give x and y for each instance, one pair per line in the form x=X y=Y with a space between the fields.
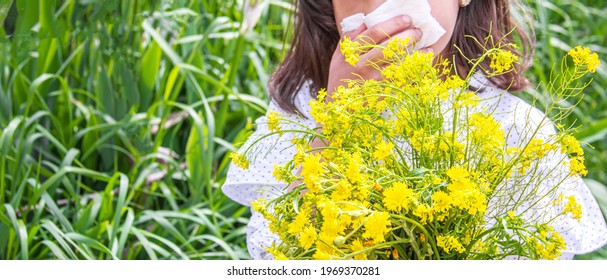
x=444 y=11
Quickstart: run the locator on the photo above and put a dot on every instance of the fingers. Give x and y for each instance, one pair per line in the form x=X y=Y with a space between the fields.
x=356 y=32
x=371 y=69
x=427 y=50
x=375 y=54
x=372 y=59
x=385 y=30
x=350 y=34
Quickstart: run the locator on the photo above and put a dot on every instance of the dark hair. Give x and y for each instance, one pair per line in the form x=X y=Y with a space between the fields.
x=316 y=37
x=502 y=29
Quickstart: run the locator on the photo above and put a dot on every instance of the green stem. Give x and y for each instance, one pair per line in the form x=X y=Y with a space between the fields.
x=422 y=228
x=373 y=248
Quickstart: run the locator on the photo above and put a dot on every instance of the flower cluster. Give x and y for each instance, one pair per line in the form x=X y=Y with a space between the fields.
x=583 y=57
x=413 y=168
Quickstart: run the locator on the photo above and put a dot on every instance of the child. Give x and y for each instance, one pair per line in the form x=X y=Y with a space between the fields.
x=314 y=62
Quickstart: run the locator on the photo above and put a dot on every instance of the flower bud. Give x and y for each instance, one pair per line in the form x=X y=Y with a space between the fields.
x=356 y=214
x=338 y=241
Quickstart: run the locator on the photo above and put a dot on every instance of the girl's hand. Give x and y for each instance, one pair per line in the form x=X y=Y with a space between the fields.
x=339 y=70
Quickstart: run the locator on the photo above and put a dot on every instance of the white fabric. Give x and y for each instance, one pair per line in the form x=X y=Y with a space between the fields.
x=418 y=10
x=516 y=117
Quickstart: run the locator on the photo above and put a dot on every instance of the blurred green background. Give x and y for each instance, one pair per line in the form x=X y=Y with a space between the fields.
x=116 y=117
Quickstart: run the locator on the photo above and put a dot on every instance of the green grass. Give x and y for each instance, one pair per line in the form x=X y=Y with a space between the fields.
x=116 y=116
x=114 y=124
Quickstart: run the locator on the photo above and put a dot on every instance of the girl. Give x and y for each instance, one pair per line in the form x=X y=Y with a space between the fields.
x=314 y=62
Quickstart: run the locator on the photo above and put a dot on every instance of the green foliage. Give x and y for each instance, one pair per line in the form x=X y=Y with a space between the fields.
x=115 y=118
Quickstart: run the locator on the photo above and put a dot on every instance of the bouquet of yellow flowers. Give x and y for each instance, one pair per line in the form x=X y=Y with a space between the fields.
x=414 y=168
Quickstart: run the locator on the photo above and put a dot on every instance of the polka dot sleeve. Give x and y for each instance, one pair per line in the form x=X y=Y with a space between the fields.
x=581 y=236
x=247 y=185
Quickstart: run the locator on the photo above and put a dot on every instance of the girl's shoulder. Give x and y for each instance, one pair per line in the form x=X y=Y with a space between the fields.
x=302 y=103
x=265 y=150
x=519 y=119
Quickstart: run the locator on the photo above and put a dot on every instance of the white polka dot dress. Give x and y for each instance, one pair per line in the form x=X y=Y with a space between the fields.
x=518 y=119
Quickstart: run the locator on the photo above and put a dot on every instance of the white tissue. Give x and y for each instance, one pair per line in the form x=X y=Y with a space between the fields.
x=418 y=10
x=352 y=22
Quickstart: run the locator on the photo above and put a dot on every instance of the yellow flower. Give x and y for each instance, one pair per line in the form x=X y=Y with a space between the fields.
x=319 y=112
x=549 y=244
x=441 y=202
x=458 y=174
x=487 y=132
x=453 y=82
x=448 y=243
x=395 y=47
x=273 y=121
x=275 y=227
x=300 y=154
x=502 y=60
x=467 y=99
x=311 y=169
x=437 y=181
x=276 y=253
x=356 y=246
x=574 y=208
x=582 y=56
x=331 y=226
x=397 y=197
x=377 y=226
x=321 y=255
x=479 y=246
x=240 y=160
x=362 y=191
x=259 y=205
x=353 y=172
x=300 y=221
x=559 y=199
x=324 y=251
x=577 y=167
x=328 y=209
x=571 y=146
x=282 y=173
x=342 y=191
x=307 y=238
x=350 y=49
x=473 y=201
x=383 y=150
x=424 y=213
x=537 y=148
x=322 y=95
